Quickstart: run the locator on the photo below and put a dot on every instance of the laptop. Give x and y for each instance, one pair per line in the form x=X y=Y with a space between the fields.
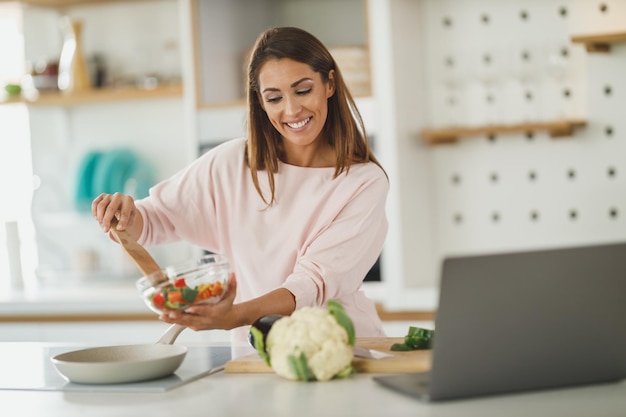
x=524 y=321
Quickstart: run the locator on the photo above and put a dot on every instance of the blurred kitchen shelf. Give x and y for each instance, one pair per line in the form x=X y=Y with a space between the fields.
x=67 y=3
x=557 y=128
x=599 y=42
x=100 y=96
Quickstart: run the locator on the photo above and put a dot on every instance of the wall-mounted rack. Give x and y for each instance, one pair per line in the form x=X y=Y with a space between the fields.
x=556 y=129
x=599 y=42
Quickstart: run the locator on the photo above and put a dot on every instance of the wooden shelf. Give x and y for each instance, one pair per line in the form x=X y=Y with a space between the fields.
x=99 y=96
x=66 y=3
x=558 y=128
x=599 y=42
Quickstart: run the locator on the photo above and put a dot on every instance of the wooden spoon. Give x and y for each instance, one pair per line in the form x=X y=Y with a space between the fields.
x=140 y=256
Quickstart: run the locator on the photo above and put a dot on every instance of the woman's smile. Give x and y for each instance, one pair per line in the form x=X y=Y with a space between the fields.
x=300 y=124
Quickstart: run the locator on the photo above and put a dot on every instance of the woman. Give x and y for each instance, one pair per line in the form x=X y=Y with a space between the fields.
x=298 y=206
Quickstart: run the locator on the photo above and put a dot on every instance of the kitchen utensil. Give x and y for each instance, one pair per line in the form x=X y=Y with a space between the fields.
x=140 y=256
x=362 y=352
x=123 y=363
x=126 y=363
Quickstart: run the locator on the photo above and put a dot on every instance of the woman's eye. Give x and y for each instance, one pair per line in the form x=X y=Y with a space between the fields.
x=273 y=99
x=303 y=92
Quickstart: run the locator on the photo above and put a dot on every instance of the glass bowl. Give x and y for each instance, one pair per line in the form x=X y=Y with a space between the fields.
x=198 y=281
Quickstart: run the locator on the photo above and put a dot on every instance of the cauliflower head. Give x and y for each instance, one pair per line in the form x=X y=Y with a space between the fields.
x=313 y=343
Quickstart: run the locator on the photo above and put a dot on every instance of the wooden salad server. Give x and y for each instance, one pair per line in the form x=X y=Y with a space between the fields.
x=140 y=256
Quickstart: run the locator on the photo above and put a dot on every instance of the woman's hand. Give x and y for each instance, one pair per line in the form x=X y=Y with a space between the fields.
x=226 y=315
x=221 y=315
x=107 y=206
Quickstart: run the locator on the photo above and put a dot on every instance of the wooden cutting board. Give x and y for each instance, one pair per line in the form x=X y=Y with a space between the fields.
x=400 y=362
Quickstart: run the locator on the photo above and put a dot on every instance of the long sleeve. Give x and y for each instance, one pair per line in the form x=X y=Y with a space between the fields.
x=318 y=240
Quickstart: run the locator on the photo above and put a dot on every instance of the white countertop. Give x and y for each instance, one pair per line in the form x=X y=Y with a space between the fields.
x=108 y=298
x=223 y=394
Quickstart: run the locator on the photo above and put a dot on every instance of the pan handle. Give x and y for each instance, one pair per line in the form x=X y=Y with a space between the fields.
x=171 y=334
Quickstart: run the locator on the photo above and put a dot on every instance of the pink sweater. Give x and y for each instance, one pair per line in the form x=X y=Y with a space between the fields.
x=318 y=240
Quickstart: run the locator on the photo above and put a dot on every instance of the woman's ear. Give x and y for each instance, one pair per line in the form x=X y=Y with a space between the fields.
x=330 y=85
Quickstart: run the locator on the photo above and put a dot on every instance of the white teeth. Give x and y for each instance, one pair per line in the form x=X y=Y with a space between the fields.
x=299 y=124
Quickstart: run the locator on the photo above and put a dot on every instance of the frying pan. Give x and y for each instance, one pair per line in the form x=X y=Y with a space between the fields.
x=126 y=363
x=123 y=363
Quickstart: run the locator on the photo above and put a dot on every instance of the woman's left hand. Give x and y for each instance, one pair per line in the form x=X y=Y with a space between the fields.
x=221 y=315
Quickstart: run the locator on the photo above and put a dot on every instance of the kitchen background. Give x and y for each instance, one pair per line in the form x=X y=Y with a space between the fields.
x=500 y=129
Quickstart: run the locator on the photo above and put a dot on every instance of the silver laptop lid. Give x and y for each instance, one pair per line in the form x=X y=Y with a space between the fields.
x=530 y=320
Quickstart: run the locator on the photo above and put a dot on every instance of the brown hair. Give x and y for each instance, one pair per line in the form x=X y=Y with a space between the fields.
x=344 y=129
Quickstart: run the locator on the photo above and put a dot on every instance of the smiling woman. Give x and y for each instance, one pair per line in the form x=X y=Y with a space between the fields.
x=15 y=161
x=298 y=204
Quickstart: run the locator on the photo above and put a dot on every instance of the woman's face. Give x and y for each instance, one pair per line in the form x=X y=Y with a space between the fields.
x=296 y=101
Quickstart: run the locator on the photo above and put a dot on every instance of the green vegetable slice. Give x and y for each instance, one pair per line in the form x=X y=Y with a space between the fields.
x=419 y=338
x=173 y=306
x=401 y=347
x=300 y=367
x=259 y=345
x=416 y=338
x=337 y=311
x=189 y=294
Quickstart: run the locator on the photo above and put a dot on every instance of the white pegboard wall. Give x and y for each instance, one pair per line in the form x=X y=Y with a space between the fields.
x=502 y=62
x=521 y=191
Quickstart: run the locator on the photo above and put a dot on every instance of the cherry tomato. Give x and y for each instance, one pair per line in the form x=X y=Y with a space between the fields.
x=180 y=283
x=158 y=299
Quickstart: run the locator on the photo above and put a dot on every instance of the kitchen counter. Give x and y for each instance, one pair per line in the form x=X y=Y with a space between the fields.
x=224 y=394
x=89 y=300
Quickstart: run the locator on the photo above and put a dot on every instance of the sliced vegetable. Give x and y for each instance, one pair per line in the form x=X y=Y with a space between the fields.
x=401 y=347
x=419 y=338
x=210 y=290
x=189 y=294
x=416 y=338
x=174 y=297
x=158 y=299
x=178 y=295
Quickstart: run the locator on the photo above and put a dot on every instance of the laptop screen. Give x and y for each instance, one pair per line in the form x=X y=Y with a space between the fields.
x=530 y=320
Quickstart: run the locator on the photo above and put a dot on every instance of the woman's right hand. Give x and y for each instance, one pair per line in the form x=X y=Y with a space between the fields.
x=122 y=207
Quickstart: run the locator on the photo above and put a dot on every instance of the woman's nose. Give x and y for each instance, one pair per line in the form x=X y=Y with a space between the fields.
x=292 y=106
